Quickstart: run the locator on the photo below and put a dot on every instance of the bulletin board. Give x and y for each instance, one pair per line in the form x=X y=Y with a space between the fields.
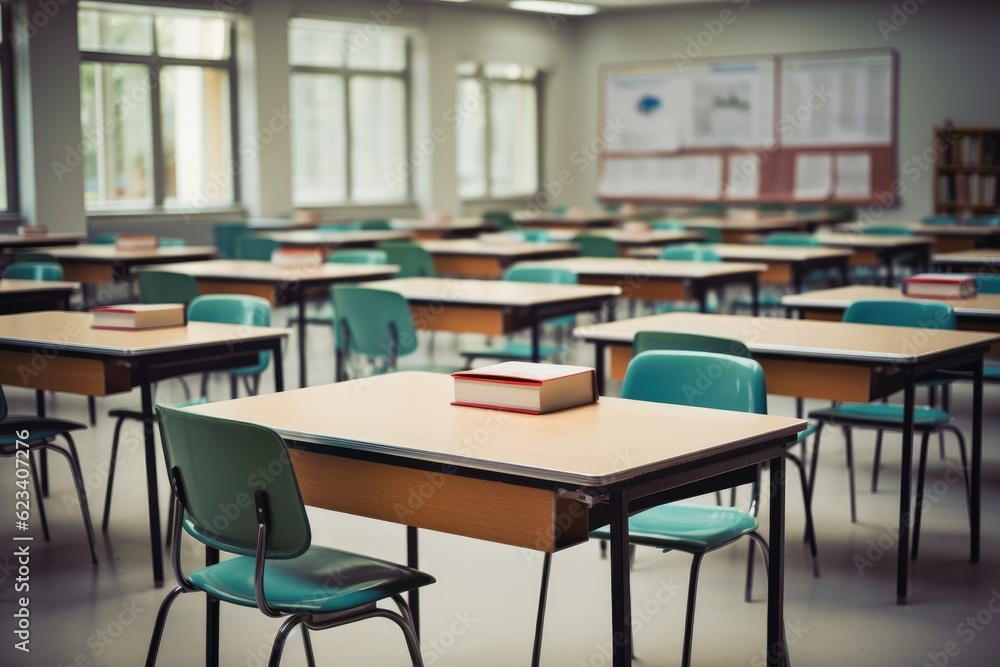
x=792 y=128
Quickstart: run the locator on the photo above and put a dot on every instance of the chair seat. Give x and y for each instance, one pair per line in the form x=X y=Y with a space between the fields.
x=40 y=428
x=688 y=528
x=320 y=581
x=809 y=430
x=883 y=415
x=683 y=307
x=991 y=373
x=512 y=350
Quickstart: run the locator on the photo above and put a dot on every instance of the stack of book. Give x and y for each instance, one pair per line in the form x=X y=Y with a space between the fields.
x=135 y=316
x=136 y=241
x=517 y=386
x=940 y=286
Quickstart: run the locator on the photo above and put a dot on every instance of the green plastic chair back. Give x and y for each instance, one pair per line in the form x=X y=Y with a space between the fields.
x=669 y=225
x=35 y=257
x=217 y=464
x=234 y=309
x=412 y=260
x=535 y=235
x=500 y=219
x=645 y=341
x=690 y=253
x=612 y=207
x=806 y=208
x=171 y=242
x=373 y=224
x=255 y=247
x=106 y=238
x=596 y=246
x=34 y=271
x=358 y=256
x=334 y=228
x=540 y=274
x=711 y=234
x=988 y=283
x=166 y=287
x=888 y=230
x=699 y=379
x=938 y=220
x=924 y=314
x=712 y=208
x=770 y=207
x=844 y=212
x=560 y=209
x=986 y=222
x=374 y=319
x=792 y=239
x=228 y=238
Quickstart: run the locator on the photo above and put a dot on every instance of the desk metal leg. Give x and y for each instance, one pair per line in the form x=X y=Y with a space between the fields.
x=152 y=492
x=905 y=475
x=211 y=615
x=621 y=599
x=302 y=336
x=43 y=458
x=889 y=269
x=755 y=296
x=599 y=366
x=279 y=366
x=776 y=566
x=975 y=500
x=413 y=560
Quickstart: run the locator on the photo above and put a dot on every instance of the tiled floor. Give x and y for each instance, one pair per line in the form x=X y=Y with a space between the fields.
x=481 y=611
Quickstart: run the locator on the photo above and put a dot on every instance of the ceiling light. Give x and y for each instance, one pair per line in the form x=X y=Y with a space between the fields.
x=554 y=7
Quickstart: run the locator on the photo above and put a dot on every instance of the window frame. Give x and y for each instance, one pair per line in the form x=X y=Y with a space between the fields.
x=479 y=76
x=346 y=72
x=154 y=64
x=8 y=91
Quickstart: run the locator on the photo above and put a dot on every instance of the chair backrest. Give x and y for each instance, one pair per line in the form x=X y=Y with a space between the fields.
x=792 y=239
x=690 y=253
x=924 y=314
x=712 y=208
x=259 y=248
x=592 y=245
x=540 y=274
x=988 y=283
x=535 y=235
x=234 y=309
x=34 y=271
x=373 y=224
x=888 y=230
x=228 y=238
x=669 y=225
x=374 y=320
x=334 y=227
x=171 y=242
x=500 y=219
x=938 y=220
x=412 y=260
x=993 y=221
x=699 y=379
x=106 y=238
x=216 y=466
x=44 y=257
x=770 y=207
x=166 y=287
x=358 y=256
x=666 y=340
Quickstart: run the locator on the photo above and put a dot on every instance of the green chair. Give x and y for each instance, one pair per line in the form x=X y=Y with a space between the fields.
x=369 y=225
x=513 y=350
x=559 y=209
x=592 y=245
x=770 y=298
x=276 y=567
x=166 y=287
x=412 y=259
x=44 y=257
x=228 y=238
x=792 y=239
x=939 y=220
x=258 y=248
x=33 y=271
x=771 y=207
x=171 y=242
x=690 y=253
x=666 y=377
x=887 y=230
x=712 y=208
x=709 y=234
x=669 y=225
x=358 y=256
x=992 y=221
x=535 y=235
x=42 y=431
x=502 y=220
x=927 y=315
x=106 y=238
x=842 y=212
x=988 y=283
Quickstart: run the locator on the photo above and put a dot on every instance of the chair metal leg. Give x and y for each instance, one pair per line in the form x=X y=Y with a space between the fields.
x=748 y=591
x=543 y=592
x=877 y=464
x=810 y=534
x=279 y=641
x=38 y=496
x=111 y=474
x=406 y=624
x=921 y=470
x=92 y=410
x=234 y=388
x=817 y=438
x=161 y=620
x=74 y=465
x=204 y=385
x=307 y=642
x=762 y=543
x=848 y=445
x=689 y=619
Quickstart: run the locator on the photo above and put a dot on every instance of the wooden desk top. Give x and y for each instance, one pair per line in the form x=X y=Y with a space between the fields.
x=495 y=249
x=409 y=415
x=39 y=240
x=760 y=253
x=255 y=271
x=98 y=252
x=313 y=237
x=982 y=256
x=654 y=268
x=421 y=225
x=626 y=237
x=11 y=286
x=491 y=292
x=874 y=241
x=839 y=298
x=70 y=331
x=799 y=338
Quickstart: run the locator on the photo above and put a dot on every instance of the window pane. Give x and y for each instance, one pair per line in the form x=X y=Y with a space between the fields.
x=315 y=43
x=117 y=32
x=318 y=139
x=378 y=140
x=385 y=52
x=514 y=130
x=197 y=151
x=117 y=137
x=192 y=37
x=509 y=71
x=470 y=114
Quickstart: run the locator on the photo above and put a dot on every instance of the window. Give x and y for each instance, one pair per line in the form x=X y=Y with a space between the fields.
x=350 y=101
x=156 y=91
x=496 y=118
x=8 y=157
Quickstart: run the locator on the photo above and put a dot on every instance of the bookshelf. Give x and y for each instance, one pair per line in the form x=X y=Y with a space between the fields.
x=967 y=171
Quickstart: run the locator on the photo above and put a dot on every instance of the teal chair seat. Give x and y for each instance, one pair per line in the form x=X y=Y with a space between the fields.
x=33 y=271
x=41 y=428
x=689 y=528
x=882 y=415
x=303 y=584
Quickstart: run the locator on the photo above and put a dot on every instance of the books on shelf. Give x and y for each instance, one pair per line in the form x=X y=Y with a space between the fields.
x=136 y=241
x=135 y=316
x=518 y=386
x=940 y=286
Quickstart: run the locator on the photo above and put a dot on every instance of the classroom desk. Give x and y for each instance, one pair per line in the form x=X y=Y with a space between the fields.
x=629 y=241
x=538 y=482
x=456 y=228
x=101 y=264
x=835 y=361
x=473 y=258
x=750 y=229
x=101 y=362
x=663 y=280
x=24 y=296
x=983 y=260
x=589 y=220
x=495 y=307
x=279 y=284
x=10 y=242
x=330 y=241
x=947 y=238
x=880 y=249
x=786 y=265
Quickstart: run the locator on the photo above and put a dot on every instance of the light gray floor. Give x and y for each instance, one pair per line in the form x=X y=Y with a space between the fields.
x=481 y=610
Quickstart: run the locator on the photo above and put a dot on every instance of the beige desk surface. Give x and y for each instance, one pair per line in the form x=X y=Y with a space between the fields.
x=265 y=272
x=625 y=237
x=978 y=256
x=325 y=238
x=801 y=338
x=19 y=240
x=983 y=305
x=654 y=268
x=71 y=331
x=494 y=249
x=10 y=286
x=409 y=415
x=874 y=241
x=760 y=253
x=98 y=252
x=455 y=224
x=491 y=292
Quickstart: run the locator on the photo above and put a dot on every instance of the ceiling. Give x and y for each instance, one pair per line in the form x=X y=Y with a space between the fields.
x=606 y=5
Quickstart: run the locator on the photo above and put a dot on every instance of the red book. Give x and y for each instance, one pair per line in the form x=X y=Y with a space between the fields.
x=940 y=286
x=518 y=386
x=134 y=316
